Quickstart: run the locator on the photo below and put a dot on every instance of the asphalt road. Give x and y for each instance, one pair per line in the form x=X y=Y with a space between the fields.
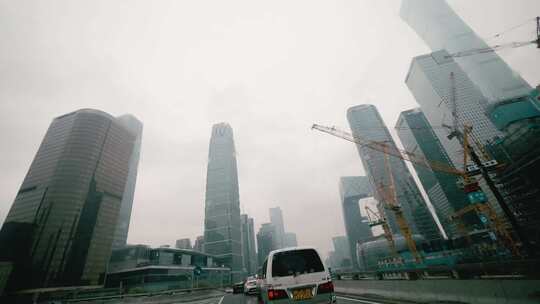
x=212 y=297
x=241 y=299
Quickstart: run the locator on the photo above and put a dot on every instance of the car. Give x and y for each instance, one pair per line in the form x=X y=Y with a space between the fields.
x=296 y=275
x=238 y=287
x=250 y=287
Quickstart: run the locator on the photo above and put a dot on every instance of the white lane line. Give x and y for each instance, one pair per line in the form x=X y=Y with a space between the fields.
x=221 y=300
x=357 y=300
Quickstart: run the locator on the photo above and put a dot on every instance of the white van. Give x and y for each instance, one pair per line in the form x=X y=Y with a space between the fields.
x=296 y=275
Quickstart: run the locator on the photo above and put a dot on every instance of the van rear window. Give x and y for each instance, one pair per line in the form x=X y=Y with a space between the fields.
x=296 y=262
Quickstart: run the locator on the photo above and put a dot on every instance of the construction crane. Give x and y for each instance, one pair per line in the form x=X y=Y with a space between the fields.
x=378 y=219
x=472 y=189
x=499 y=47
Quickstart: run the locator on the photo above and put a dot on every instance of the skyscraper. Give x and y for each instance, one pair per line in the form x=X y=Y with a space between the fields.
x=290 y=239
x=248 y=245
x=122 y=226
x=71 y=196
x=199 y=244
x=351 y=190
x=183 y=243
x=366 y=122
x=429 y=82
x=222 y=227
x=266 y=241
x=418 y=137
x=276 y=218
x=342 y=251
x=442 y=29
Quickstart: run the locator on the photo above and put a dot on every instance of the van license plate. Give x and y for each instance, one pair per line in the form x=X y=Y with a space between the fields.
x=302 y=294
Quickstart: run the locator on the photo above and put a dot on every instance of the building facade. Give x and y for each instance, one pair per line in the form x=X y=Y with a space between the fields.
x=249 y=251
x=342 y=252
x=71 y=199
x=140 y=268
x=266 y=241
x=366 y=122
x=290 y=239
x=222 y=227
x=429 y=81
x=417 y=136
x=199 y=244
x=183 y=244
x=351 y=190
x=276 y=218
x=442 y=29
x=122 y=227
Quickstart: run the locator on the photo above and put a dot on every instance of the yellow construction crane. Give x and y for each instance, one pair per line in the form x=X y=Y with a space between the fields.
x=378 y=219
x=471 y=187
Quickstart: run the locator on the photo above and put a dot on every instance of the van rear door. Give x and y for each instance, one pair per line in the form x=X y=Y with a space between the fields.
x=297 y=269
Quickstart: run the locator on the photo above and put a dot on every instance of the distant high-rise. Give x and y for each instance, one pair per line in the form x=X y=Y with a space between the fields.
x=266 y=241
x=442 y=29
x=351 y=190
x=290 y=239
x=222 y=227
x=122 y=226
x=276 y=218
x=419 y=137
x=342 y=251
x=71 y=197
x=248 y=244
x=366 y=122
x=199 y=244
x=183 y=244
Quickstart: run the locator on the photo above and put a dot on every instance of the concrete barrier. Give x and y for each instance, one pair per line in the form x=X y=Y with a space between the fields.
x=461 y=291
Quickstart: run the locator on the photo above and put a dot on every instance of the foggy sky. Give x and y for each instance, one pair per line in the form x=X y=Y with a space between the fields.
x=269 y=68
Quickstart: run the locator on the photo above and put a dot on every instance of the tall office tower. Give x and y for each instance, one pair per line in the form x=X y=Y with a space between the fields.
x=351 y=190
x=71 y=197
x=248 y=245
x=266 y=241
x=183 y=244
x=417 y=136
x=366 y=122
x=442 y=29
x=199 y=244
x=276 y=218
x=290 y=239
x=429 y=81
x=122 y=227
x=342 y=251
x=222 y=235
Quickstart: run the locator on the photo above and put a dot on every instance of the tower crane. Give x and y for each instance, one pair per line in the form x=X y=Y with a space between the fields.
x=378 y=219
x=498 y=47
x=474 y=193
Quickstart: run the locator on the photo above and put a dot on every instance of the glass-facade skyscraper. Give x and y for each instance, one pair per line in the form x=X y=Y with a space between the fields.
x=276 y=218
x=419 y=137
x=351 y=190
x=366 y=122
x=442 y=29
x=122 y=226
x=222 y=226
x=249 y=251
x=71 y=198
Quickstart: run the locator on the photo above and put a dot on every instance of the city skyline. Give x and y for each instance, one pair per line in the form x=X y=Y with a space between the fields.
x=179 y=101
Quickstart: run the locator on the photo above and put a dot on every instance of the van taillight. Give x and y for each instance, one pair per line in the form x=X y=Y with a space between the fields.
x=275 y=294
x=325 y=288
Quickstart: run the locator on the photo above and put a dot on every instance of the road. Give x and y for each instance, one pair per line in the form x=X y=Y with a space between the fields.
x=211 y=297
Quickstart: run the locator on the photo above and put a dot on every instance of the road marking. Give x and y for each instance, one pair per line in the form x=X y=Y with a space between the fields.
x=221 y=300
x=357 y=300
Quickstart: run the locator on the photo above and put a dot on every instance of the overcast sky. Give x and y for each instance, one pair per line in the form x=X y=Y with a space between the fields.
x=269 y=68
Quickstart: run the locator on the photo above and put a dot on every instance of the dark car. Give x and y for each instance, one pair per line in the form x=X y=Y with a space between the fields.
x=238 y=287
